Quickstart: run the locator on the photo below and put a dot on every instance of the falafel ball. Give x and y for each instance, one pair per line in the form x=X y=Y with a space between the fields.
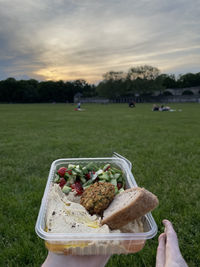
x=97 y=197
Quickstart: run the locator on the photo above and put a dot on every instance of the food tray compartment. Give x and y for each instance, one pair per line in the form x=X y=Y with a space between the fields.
x=94 y=243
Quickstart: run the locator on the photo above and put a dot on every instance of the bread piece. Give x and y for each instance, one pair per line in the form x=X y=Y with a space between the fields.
x=128 y=206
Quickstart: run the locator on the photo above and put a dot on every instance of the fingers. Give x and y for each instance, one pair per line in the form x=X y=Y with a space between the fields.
x=160 y=256
x=172 y=246
x=171 y=237
x=54 y=259
x=93 y=261
x=172 y=253
x=168 y=225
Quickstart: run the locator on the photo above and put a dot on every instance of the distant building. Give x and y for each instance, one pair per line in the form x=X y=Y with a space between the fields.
x=179 y=91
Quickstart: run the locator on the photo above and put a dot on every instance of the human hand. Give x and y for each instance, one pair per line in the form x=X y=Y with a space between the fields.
x=57 y=260
x=168 y=252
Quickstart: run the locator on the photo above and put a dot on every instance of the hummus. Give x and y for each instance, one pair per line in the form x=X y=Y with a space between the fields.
x=65 y=215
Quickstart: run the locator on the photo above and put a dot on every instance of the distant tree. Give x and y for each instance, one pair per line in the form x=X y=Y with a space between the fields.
x=161 y=83
x=69 y=91
x=189 y=80
x=106 y=89
x=60 y=94
x=81 y=86
x=113 y=85
x=169 y=81
x=139 y=80
x=143 y=80
x=111 y=88
x=143 y=72
x=27 y=91
x=114 y=76
x=89 y=90
x=7 y=90
x=144 y=86
x=46 y=91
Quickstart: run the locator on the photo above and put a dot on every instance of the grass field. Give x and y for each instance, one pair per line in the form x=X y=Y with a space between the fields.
x=164 y=148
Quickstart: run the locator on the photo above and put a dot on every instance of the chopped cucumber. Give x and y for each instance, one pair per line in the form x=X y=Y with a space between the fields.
x=94 y=176
x=104 y=176
x=67 y=175
x=74 y=172
x=66 y=189
x=117 y=175
x=99 y=172
x=83 y=180
x=120 y=179
x=56 y=178
x=89 y=166
x=116 y=190
x=88 y=174
x=77 y=170
x=71 y=166
x=111 y=175
x=121 y=190
x=89 y=182
x=116 y=170
x=71 y=181
x=114 y=182
x=84 y=169
x=106 y=167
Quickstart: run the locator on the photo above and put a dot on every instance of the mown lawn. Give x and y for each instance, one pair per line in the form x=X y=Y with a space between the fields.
x=164 y=148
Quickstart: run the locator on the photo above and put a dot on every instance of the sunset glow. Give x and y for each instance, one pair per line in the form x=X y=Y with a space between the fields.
x=69 y=40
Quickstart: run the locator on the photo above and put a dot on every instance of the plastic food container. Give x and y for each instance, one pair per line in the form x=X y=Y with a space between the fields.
x=94 y=243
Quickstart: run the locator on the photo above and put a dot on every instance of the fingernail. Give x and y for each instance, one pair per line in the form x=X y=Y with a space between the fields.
x=165 y=221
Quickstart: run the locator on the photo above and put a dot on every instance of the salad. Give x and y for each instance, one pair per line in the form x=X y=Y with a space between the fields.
x=77 y=177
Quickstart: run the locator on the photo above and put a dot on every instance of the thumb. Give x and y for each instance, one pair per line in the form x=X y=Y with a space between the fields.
x=160 y=256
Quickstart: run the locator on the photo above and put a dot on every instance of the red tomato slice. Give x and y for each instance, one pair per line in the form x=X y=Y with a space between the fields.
x=62 y=182
x=78 y=187
x=61 y=172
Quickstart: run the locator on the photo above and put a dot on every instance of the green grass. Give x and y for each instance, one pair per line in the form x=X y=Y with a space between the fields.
x=164 y=148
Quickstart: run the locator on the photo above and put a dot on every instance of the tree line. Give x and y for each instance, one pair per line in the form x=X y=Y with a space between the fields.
x=33 y=91
x=141 y=80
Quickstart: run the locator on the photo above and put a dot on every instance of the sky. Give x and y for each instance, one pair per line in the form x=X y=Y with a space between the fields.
x=84 y=39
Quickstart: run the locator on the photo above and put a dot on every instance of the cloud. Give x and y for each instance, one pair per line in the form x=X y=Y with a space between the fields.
x=74 y=39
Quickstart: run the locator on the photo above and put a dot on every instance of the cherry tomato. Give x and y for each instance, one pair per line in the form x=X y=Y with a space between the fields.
x=62 y=182
x=87 y=176
x=70 y=172
x=78 y=187
x=119 y=185
x=61 y=172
